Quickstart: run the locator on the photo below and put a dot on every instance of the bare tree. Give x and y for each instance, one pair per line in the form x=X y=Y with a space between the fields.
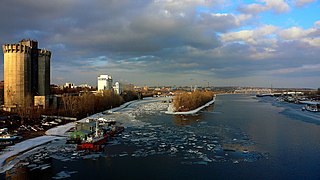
x=191 y=100
x=24 y=110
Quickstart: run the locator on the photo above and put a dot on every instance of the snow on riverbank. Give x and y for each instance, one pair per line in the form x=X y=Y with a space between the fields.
x=21 y=148
x=170 y=109
x=60 y=132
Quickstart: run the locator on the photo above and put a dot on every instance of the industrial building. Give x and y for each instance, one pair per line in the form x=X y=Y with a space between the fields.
x=117 y=88
x=26 y=74
x=104 y=82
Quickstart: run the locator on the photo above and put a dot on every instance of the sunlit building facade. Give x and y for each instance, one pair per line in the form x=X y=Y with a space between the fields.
x=104 y=82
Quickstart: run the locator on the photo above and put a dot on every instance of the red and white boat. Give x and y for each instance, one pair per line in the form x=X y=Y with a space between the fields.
x=100 y=137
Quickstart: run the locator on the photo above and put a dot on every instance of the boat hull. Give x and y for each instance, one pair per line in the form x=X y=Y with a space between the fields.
x=95 y=145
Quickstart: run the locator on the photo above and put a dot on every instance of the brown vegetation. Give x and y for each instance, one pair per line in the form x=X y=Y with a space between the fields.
x=191 y=100
x=81 y=106
x=73 y=105
x=26 y=111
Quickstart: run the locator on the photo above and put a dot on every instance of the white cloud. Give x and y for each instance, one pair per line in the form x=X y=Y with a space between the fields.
x=243 y=35
x=312 y=41
x=295 y=33
x=278 y=6
x=177 y=6
x=250 y=36
x=221 y=22
x=244 y=17
x=317 y=23
x=254 y=8
x=303 y=68
x=260 y=53
x=300 y=3
x=266 y=30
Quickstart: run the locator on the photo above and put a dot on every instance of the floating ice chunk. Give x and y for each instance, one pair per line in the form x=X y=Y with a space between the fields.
x=32 y=166
x=173 y=150
x=201 y=163
x=123 y=154
x=206 y=159
x=245 y=151
x=37 y=167
x=44 y=166
x=64 y=174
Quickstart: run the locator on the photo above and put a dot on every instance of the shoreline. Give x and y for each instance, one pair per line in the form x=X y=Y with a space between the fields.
x=193 y=111
x=58 y=132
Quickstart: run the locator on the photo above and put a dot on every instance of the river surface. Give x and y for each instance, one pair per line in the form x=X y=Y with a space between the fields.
x=239 y=137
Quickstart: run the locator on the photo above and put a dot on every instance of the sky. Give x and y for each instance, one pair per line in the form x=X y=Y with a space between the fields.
x=172 y=42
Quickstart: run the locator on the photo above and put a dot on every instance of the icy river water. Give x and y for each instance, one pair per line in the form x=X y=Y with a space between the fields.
x=239 y=137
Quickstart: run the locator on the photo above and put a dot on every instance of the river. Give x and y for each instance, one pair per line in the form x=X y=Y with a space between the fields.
x=239 y=137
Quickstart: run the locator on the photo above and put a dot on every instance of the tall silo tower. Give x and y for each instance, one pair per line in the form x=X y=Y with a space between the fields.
x=26 y=73
x=34 y=64
x=43 y=72
x=17 y=74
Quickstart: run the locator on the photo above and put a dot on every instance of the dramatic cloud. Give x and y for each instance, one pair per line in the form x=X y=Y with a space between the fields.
x=169 y=41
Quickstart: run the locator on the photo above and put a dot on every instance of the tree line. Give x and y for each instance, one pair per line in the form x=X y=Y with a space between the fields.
x=88 y=103
x=75 y=105
x=191 y=100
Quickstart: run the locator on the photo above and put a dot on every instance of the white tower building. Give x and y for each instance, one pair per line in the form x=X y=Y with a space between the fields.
x=104 y=82
x=117 y=88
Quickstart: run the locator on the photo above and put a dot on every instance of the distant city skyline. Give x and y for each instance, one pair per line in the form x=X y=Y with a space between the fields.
x=183 y=42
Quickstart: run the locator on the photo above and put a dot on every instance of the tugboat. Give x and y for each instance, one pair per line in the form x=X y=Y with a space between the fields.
x=100 y=137
x=95 y=141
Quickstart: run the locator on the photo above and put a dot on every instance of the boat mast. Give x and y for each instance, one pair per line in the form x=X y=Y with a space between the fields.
x=96 y=128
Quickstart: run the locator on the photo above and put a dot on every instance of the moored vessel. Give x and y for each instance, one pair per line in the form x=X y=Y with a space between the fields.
x=312 y=106
x=99 y=138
